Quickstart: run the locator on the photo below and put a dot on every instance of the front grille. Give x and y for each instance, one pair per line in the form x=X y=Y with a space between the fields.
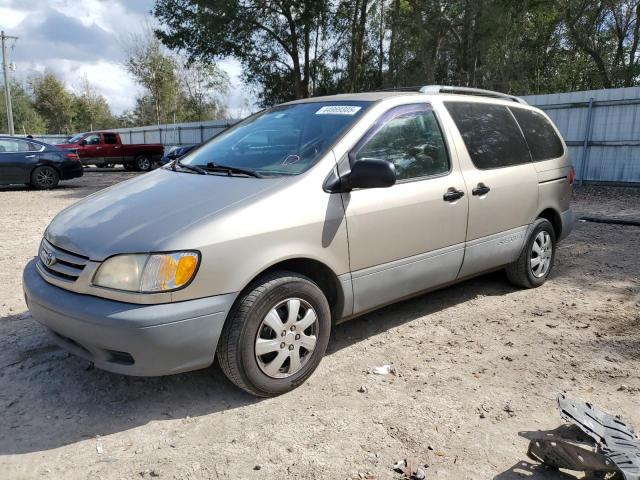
x=61 y=263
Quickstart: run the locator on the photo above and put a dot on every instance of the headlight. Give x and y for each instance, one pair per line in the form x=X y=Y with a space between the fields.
x=157 y=272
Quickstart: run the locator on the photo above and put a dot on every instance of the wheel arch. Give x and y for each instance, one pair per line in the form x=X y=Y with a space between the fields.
x=321 y=274
x=554 y=218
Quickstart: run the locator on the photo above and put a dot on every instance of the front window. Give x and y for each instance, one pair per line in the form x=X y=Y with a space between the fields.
x=77 y=138
x=93 y=139
x=409 y=137
x=284 y=140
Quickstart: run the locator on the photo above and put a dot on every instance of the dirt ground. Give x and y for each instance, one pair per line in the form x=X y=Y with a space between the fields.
x=476 y=364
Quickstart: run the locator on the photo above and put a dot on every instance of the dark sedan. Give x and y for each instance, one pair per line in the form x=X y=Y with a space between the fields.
x=30 y=162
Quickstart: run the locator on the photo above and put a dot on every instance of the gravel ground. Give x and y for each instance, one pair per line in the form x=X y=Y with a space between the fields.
x=476 y=363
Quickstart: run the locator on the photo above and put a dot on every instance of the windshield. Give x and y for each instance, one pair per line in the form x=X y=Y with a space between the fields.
x=77 y=138
x=284 y=140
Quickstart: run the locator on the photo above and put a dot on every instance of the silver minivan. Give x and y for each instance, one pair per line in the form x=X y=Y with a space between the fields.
x=256 y=243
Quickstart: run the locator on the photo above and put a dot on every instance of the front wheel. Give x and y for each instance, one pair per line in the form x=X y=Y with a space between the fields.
x=275 y=335
x=533 y=266
x=44 y=178
x=143 y=163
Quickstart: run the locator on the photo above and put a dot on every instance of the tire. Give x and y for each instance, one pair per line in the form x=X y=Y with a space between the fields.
x=248 y=324
x=143 y=163
x=44 y=178
x=525 y=272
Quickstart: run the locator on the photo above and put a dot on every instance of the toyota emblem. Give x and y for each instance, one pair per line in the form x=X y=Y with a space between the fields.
x=49 y=258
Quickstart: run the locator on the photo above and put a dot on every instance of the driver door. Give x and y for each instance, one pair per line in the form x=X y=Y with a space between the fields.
x=93 y=149
x=409 y=237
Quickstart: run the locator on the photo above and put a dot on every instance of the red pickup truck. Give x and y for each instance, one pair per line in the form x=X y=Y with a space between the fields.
x=107 y=149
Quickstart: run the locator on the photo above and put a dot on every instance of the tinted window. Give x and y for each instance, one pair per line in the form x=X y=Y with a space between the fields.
x=410 y=138
x=541 y=137
x=110 y=138
x=491 y=135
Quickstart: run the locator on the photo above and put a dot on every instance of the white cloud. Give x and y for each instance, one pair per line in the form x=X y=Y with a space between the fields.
x=9 y=18
x=85 y=37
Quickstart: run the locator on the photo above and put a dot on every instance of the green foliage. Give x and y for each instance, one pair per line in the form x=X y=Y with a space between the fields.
x=92 y=111
x=175 y=90
x=25 y=117
x=53 y=102
x=44 y=104
x=296 y=49
x=156 y=72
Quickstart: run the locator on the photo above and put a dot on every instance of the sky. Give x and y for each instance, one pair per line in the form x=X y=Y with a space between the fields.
x=74 y=38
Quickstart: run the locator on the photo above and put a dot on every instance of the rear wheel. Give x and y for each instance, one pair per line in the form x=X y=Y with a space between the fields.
x=143 y=163
x=275 y=335
x=536 y=260
x=44 y=178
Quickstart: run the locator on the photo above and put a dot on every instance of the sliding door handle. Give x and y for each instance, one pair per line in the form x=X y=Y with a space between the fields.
x=480 y=190
x=452 y=195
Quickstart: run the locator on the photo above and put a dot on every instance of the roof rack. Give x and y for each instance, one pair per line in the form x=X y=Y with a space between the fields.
x=436 y=89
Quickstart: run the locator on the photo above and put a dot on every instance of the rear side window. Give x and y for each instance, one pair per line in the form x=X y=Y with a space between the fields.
x=409 y=137
x=542 y=139
x=110 y=138
x=490 y=133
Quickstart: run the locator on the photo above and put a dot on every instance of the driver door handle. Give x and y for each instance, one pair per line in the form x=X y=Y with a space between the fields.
x=452 y=195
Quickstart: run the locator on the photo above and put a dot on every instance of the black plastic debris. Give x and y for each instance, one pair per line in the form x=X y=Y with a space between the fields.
x=593 y=442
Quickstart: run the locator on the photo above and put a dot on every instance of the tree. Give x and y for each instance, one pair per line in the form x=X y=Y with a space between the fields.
x=272 y=39
x=297 y=49
x=609 y=33
x=203 y=86
x=156 y=72
x=92 y=111
x=53 y=103
x=25 y=117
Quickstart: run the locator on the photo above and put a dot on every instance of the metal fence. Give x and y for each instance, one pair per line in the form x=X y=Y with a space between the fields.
x=168 y=135
x=601 y=129
x=175 y=134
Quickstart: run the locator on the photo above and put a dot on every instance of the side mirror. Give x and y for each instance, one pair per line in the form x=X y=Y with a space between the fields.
x=369 y=173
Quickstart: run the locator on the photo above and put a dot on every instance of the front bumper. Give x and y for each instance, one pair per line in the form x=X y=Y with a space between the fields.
x=132 y=339
x=568 y=220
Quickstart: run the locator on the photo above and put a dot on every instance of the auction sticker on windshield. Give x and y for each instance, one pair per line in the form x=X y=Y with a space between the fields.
x=338 y=110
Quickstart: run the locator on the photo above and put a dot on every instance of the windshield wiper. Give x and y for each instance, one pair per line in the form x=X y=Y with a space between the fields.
x=193 y=168
x=231 y=170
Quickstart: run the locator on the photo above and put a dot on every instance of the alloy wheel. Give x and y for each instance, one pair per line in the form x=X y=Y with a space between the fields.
x=45 y=177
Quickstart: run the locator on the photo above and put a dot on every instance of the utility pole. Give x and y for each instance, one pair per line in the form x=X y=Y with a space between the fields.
x=5 y=71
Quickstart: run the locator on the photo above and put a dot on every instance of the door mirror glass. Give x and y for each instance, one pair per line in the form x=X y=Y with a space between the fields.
x=371 y=173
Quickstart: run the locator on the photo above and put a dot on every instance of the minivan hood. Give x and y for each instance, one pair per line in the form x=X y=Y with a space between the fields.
x=146 y=213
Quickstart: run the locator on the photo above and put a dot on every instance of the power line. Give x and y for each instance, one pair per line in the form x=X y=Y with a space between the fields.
x=5 y=71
